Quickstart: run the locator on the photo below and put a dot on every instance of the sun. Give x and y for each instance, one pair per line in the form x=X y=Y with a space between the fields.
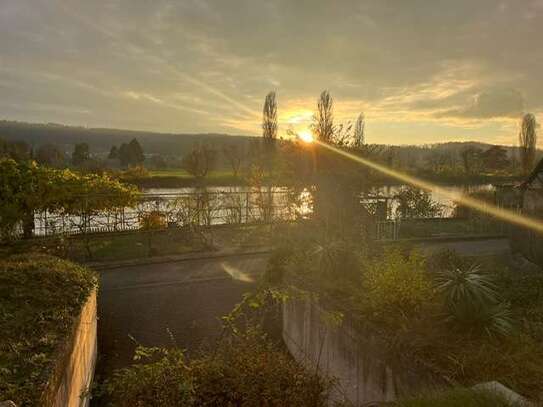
x=306 y=136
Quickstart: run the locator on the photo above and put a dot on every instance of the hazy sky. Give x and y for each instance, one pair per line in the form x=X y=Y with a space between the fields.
x=422 y=71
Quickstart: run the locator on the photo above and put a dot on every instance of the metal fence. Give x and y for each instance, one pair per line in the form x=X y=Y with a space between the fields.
x=427 y=228
x=161 y=211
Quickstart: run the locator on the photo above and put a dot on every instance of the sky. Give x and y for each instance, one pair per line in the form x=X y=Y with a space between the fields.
x=421 y=71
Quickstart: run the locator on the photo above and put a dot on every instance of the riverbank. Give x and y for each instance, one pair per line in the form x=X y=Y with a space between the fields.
x=181 y=179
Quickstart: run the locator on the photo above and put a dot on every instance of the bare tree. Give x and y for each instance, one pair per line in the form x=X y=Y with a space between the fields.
x=528 y=141
x=199 y=161
x=359 y=128
x=234 y=156
x=269 y=119
x=470 y=156
x=323 y=120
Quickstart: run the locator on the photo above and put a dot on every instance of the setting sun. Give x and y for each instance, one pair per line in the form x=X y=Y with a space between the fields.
x=306 y=136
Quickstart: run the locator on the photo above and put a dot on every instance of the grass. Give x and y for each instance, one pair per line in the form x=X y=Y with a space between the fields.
x=40 y=299
x=411 y=321
x=178 y=178
x=178 y=172
x=132 y=246
x=458 y=397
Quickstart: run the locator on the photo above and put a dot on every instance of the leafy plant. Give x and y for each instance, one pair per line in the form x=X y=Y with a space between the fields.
x=40 y=297
x=395 y=286
x=471 y=300
x=161 y=378
x=416 y=203
x=457 y=397
x=245 y=369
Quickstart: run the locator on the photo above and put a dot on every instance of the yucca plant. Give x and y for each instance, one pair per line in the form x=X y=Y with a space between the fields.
x=471 y=300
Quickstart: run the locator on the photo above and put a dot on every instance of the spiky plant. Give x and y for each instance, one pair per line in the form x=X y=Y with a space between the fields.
x=472 y=302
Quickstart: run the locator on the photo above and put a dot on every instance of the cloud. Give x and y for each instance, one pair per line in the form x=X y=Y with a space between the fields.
x=490 y=104
x=206 y=65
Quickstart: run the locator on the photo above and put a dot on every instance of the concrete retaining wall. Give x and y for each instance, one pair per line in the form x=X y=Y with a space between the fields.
x=75 y=370
x=317 y=339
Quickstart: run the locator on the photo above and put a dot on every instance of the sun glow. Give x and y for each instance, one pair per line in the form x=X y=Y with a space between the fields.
x=306 y=136
x=483 y=207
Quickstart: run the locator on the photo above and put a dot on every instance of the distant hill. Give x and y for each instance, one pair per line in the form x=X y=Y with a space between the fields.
x=100 y=140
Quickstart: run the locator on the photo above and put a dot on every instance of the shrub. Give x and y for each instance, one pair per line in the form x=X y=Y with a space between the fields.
x=163 y=379
x=471 y=300
x=244 y=370
x=396 y=285
x=459 y=397
x=40 y=298
x=416 y=203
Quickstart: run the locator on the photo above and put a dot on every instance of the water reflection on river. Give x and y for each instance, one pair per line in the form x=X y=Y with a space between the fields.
x=232 y=204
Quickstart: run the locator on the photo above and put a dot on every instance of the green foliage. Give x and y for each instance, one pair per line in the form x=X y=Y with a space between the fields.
x=80 y=154
x=472 y=301
x=40 y=297
x=26 y=187
x=200 y=160
x=416 y=203
x=244 y=370
x=162 y=378
x=131 y=154
x=457 y=397
x=396 y=285
x=440 y=312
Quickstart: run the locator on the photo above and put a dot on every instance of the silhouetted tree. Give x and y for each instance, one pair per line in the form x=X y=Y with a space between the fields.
x=199 y=161
x=81 y=154
x=470 y=157
x=359 y=129
x=131 y=154
x=113 y=153
x=495 y=158
x=323 y=119
x=234 y=156
x=136 y=157
x=528 y=141
x=269 y=119
x=16 y=150
x=49 y=155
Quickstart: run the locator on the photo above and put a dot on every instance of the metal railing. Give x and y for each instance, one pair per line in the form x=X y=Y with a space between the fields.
x=162 y=211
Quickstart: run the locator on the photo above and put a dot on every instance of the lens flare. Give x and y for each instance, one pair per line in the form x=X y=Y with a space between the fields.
x=306 y=136
x=484 y=207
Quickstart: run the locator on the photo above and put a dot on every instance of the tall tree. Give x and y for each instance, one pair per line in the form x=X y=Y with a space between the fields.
x=136 y=152
x=131 y=154
x=470 y=157
x=234 y=155
x=269 y=119
x=49 y=155
x=359 y=131
x=528 y=141
x=81 y=154
x=199 y=161
x=495 y=158
x=323 y=120
x=113 y=153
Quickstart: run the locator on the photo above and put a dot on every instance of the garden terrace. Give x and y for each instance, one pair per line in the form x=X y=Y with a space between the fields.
x=41 y=299
x=462 y=323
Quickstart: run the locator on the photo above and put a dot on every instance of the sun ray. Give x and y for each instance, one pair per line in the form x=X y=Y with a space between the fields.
x=483 y=207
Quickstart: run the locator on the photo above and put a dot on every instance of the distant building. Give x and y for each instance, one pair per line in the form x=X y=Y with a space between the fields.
x=527 y=199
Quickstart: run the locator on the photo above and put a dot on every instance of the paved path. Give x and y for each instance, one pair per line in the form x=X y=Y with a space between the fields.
x=470 y=247
x=158 y=304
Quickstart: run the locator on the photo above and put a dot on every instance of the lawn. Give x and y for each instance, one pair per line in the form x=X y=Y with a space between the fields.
x=178 y=172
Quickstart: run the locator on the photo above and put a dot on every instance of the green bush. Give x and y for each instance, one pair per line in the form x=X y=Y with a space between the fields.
x=395 y=285
x=460 y=397
x=40 y=298
x=471 y=300
x=244 y=370
x=163 y=379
